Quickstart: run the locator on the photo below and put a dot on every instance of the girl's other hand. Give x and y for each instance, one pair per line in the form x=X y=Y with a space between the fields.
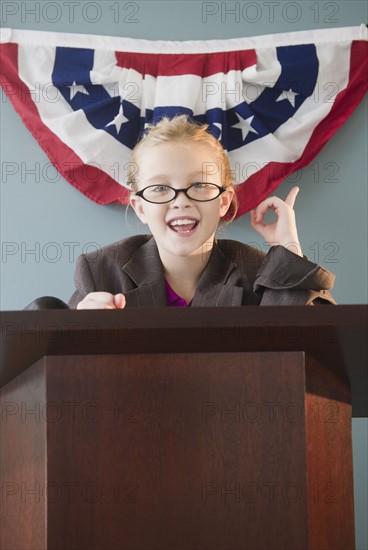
x=102 y=300
x=283 y=230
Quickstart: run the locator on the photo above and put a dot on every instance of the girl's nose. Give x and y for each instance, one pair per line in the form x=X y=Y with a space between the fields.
x=180 y=200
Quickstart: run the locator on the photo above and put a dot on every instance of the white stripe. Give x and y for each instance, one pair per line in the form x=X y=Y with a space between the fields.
x=54 y=39
x=190 y=91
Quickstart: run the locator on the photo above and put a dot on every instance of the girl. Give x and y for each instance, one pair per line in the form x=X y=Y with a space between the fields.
x=181 y=198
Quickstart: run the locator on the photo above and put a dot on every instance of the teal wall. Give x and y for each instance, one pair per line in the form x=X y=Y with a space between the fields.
x=46 y=217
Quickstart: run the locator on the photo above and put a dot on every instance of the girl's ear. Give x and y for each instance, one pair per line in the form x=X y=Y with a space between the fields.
x=225 y=201
x=137 y=204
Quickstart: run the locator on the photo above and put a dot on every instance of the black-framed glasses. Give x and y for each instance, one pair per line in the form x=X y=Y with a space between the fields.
x=199 y=191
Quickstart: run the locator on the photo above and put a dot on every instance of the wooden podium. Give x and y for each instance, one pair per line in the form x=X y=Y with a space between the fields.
x=180 y=429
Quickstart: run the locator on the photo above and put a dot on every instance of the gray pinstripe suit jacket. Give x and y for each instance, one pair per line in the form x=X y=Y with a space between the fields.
x=236 y=274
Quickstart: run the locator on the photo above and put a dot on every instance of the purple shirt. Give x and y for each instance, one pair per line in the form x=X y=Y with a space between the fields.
x=173 y=299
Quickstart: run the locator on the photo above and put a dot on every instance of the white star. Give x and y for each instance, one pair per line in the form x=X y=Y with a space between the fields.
x=290 y=96
x=75 y=88
x=119 y=119
x=245 y=125
x=219 y=126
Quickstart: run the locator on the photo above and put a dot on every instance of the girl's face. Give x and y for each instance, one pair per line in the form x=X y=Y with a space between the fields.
x=180 y=165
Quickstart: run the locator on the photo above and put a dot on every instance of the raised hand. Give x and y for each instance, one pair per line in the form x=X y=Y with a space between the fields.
x=102 y=300
x=283 y=230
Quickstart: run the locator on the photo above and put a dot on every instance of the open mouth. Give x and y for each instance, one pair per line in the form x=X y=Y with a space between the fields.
x=183 y=227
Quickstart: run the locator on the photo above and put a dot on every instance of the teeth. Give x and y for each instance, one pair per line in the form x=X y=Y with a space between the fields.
x=182 y=222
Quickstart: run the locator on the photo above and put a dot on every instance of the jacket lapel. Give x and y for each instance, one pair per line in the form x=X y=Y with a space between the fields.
x=214 y=287
x=146 y=271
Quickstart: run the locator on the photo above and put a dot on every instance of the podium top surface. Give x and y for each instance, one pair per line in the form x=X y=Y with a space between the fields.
x=334 y=335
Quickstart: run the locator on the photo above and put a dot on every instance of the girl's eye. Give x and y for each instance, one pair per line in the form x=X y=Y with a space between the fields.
x=160 y=188
x=198 y=185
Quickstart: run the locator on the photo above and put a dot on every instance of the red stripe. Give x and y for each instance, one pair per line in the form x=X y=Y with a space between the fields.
x=203 y=65
x=259 y=186
x=91 y=181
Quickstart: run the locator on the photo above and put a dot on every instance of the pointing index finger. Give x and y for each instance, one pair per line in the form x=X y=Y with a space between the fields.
x=290 y=199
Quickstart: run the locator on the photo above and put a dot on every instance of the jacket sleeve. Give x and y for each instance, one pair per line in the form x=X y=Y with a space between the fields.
x=83 y=280
x=285 y=278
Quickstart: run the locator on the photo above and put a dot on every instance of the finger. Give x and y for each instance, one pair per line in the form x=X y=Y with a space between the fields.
x=119 y=300
x=290 y=199
x=255 y=224
x=103 y=297
x=94 y=304
x=253 y=218
x=97 y=300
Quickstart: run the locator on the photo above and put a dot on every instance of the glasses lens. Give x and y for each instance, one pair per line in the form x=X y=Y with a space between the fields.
x=158 y=193
x=203 y=191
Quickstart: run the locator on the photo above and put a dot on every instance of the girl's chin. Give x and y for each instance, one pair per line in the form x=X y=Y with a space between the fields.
x=185 y=248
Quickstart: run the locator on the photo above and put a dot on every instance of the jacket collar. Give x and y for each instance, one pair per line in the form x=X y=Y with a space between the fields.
x=145 y=269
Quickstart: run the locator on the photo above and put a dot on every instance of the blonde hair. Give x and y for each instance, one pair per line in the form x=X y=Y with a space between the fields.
x=182 y=129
